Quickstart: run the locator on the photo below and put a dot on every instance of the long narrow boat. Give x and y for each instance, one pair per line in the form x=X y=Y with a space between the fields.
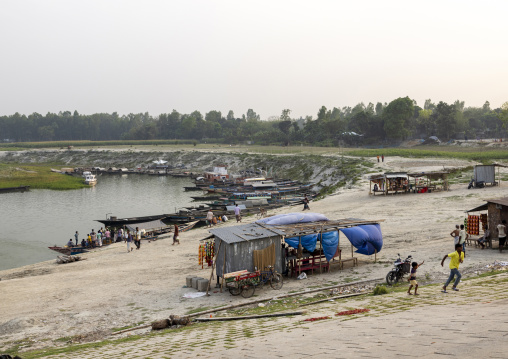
x=119 y=222
x=14 y=189
x=69 y=250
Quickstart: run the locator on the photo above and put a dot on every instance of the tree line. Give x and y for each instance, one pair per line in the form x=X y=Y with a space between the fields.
x=401 y=119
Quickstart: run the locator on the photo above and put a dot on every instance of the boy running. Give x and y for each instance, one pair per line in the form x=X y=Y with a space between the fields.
x=456 y=258
x=412 y=278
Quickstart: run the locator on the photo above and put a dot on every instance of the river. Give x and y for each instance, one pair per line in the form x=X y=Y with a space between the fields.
x=33 y=220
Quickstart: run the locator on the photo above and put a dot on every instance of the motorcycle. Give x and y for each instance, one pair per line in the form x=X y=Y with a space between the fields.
x=476 y=184
x=401 y=268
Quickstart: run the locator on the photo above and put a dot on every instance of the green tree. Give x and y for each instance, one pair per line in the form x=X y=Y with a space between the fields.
x=396 y=117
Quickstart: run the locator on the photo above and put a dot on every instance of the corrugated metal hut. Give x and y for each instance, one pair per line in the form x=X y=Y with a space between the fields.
x=486 y=173
x=239 y=243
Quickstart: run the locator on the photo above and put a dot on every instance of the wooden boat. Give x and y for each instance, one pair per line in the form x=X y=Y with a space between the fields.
x=69 y=250
x=15 y=189
x=119 y=222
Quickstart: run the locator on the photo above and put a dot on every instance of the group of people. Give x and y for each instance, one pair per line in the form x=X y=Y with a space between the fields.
x=121 y=235
x=460 y=236
x=382 y=158
x=92 y=239
x=457 y=257
x=212 y=220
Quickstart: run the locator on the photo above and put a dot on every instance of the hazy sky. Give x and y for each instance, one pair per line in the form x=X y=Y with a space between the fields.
x=156 y=56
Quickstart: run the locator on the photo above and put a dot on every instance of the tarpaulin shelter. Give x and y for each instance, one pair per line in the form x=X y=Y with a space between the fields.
x=363 y=235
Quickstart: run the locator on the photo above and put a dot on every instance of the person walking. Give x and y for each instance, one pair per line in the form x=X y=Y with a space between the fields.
x=382 y=158
x=137 y=238
x=501 y=234
x=209 y=218
x=455 y=234
x=305 y=203
x=412 y=278
x=108 y=236
x=176 y=239
x=128 y=240
x=238 y=214
x=462 y=238
x=456 y=258
x=378 y=159
x=99 y=237
x=76 y=237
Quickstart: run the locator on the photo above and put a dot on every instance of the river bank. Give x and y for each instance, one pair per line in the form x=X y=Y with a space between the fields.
x=46 y=302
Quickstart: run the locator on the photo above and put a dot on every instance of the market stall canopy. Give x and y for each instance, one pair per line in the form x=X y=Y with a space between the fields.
x=483 y=207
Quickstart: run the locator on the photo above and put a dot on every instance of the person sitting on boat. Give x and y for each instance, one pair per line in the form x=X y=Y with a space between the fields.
x=70 y=243
x=83 y=243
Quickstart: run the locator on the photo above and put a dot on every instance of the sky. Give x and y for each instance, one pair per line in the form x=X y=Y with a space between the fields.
x=155 y=56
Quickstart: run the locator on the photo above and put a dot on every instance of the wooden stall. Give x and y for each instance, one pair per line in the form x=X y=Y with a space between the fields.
x=497 y=210
x=389 y=182
x=423 y=182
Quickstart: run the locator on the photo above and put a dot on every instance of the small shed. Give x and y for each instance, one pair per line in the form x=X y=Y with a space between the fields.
x=236 y=246
x=497 y=210
x=486 y=173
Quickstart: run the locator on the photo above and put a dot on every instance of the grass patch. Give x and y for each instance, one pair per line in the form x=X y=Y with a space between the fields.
x=471 y=154
x=37 y=177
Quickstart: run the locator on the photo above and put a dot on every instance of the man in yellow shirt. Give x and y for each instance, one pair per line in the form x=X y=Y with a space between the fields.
x=456 y=258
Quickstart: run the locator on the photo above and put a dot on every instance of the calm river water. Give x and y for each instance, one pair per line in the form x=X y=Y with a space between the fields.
x=32 y=221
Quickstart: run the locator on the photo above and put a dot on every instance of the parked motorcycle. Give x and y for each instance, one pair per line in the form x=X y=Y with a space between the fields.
x=401 y=268
x=476 y=184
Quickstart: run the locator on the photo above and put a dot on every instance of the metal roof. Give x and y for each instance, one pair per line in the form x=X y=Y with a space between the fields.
x=244 y=232
x=484 y=207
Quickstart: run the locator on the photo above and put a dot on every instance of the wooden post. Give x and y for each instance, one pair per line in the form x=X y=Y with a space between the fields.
x=321 y=251
x=370 y=187
x=213 y=267
x=375 y=255
x=223 y=269
x=299 y=259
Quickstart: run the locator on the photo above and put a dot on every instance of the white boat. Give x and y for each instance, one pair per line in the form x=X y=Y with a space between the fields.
x=89 y=178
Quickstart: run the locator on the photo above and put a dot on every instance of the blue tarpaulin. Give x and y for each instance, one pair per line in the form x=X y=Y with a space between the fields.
x=367 y=239
x=330 y=242
x=308 y=242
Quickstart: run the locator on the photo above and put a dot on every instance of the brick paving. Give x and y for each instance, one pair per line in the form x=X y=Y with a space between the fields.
x=470 y=323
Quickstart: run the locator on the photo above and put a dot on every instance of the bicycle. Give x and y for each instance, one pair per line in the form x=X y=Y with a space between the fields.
x=246 y=284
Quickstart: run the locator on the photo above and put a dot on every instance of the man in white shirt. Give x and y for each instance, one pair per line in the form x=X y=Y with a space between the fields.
x=237 y=214
x=501 y=234
x=462 y=238
x=209 y=218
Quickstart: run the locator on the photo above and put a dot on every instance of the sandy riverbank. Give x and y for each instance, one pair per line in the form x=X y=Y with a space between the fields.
x=113 y=288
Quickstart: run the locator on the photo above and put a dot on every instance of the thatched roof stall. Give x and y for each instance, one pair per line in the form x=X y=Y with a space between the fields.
x=423 y=181
x=395 y=182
